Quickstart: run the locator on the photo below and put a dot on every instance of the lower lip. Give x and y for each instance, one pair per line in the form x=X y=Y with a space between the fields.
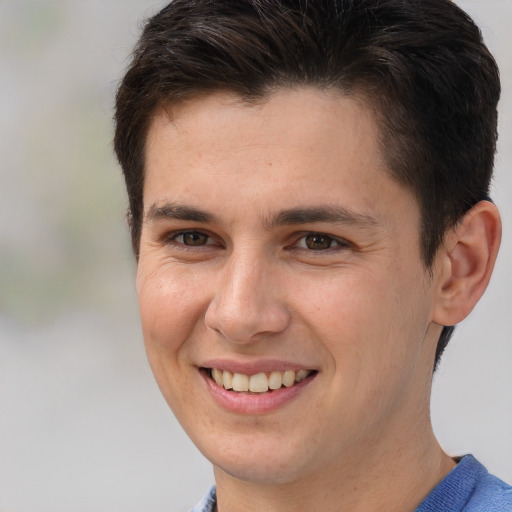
x=246 y=403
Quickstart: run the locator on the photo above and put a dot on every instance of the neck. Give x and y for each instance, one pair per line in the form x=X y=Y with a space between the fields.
x=378 y=475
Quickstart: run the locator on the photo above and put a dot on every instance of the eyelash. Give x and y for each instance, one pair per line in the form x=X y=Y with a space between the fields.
x=182 y=244
x=328 y=239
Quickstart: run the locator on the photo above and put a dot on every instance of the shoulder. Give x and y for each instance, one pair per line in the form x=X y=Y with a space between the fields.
x=490 y=494
x=469 y=488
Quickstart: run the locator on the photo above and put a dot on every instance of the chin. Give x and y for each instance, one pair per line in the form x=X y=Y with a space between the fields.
x=260 y=471
x=268 y=460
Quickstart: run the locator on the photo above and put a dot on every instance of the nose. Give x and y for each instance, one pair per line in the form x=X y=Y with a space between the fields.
x=246 y=305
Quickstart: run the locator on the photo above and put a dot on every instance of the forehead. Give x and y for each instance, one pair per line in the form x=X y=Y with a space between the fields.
x=291 y=114
x=293 y=145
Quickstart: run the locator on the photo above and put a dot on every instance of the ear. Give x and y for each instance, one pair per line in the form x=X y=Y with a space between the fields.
x=465 y=262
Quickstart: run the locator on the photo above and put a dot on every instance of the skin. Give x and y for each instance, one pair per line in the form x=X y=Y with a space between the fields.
x=364 y=313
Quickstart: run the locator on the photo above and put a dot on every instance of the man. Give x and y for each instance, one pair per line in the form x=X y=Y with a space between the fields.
x=308 y=187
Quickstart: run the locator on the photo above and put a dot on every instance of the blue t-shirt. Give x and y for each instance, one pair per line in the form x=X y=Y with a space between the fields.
x=467 y=488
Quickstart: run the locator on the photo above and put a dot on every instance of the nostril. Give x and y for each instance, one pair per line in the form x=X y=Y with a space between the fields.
x=246 y=324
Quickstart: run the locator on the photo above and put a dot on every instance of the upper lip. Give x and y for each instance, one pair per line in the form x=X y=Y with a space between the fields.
x=253 y=367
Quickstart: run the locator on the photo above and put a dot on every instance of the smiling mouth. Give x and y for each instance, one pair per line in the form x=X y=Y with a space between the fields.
x=258 y=383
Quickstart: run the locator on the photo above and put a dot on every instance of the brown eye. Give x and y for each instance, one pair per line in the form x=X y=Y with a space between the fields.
x=318 y=242
x=192 y=238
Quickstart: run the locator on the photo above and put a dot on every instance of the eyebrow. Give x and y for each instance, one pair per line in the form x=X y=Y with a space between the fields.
x=324 y=213
x=176 y=211
x=292 y=216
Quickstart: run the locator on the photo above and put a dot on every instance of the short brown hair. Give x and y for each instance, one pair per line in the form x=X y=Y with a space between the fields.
x=421 y=65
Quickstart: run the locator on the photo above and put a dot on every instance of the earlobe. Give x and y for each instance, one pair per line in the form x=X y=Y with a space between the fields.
x=466 y=261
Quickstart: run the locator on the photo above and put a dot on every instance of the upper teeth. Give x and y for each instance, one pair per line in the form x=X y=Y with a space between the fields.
x=258 y=383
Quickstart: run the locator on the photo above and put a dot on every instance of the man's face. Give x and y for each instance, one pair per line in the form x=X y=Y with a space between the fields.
x=275 y=241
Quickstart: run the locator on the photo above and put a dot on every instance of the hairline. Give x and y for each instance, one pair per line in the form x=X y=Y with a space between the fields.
x=358 y=92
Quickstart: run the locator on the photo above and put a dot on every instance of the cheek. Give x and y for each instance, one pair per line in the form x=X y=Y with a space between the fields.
x=170 y=308
x=346 y=305
x=368 y=321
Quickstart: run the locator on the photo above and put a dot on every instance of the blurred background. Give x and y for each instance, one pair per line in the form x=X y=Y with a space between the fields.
x=82 y=424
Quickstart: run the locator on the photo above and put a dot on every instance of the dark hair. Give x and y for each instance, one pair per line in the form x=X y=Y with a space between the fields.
x=421 y=65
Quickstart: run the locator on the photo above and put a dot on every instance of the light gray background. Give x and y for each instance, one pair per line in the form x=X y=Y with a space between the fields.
x=82 y=424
